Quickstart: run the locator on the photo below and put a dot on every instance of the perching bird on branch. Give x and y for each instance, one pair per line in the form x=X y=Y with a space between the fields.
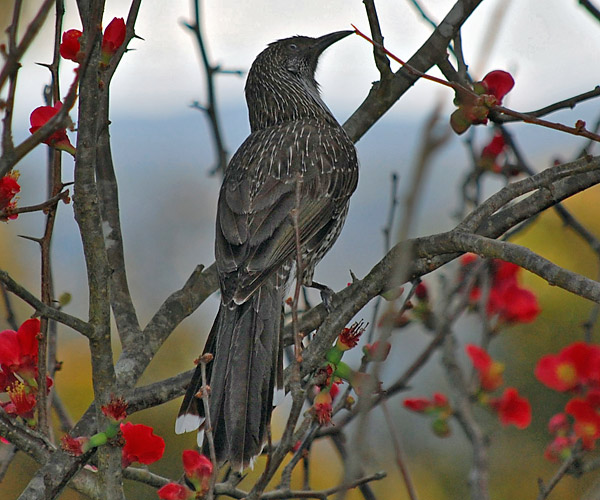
x=299 y=160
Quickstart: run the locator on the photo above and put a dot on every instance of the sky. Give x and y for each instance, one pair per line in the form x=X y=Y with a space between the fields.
x=550 y=48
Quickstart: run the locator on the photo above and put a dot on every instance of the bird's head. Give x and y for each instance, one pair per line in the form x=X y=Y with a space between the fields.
x=281 y=83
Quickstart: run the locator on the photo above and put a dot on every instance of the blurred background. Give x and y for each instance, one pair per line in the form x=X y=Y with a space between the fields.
x=163 y=156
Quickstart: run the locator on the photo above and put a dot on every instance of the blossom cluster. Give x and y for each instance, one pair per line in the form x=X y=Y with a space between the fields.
x=140 y=444
x=70 y=48
x=511 y=408
x=575 y=370
x=198 y=470
x=507 y=300
x=112 y=39
x=474 y=107
x=19 y=371
x=335 y=371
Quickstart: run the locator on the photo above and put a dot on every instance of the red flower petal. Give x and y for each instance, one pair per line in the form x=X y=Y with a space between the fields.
x=556 y=374
x=9 y=188
x=587 y=421
x=10 y=350
x=479 y=357
x=498 y=83
x=196 y=465
x=418 y=405
x=494 y=147
x=512 y=408
x=141 y=444
x=28 y=337
x=69 y=48
x=40 y=116
x=114 y=36
x=175 y=491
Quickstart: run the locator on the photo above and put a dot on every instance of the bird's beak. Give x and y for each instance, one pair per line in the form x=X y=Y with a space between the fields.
x=325 y=41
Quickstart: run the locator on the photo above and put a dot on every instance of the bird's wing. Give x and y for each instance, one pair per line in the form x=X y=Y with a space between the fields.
x=303 y=165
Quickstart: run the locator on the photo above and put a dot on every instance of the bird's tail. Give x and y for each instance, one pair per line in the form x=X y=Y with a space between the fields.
x=245 y=371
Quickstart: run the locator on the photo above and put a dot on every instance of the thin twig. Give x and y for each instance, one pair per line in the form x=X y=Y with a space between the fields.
x=400 y=461
x=208 y=432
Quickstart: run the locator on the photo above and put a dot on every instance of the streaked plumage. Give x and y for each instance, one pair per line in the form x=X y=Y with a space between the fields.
x=295 y=143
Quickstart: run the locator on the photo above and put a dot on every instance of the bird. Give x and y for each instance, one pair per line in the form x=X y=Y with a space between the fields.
x=291 y=178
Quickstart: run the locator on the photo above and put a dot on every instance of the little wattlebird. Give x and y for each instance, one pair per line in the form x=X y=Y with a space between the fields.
x=298 y=160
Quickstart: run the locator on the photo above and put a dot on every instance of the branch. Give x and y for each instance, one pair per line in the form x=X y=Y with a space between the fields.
x=45 y=310
x=378 y=102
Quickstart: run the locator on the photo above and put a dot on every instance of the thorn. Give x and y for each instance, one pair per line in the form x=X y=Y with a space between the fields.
x=31 y=238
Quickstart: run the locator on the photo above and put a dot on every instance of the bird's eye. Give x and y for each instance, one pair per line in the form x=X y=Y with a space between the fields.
x=292 y=46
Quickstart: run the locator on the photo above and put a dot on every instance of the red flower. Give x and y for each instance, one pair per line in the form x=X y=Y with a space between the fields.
x=198 y=469
x=512 y=408
x=577 y=364
x=513 y=304
x=22 y=401
x=334 y=390
x=422 y=405
x=19 y=350
x=350 y=336
x=116 y=409
x=495 y=147
x=377 y=351
x=467 y=259
x=558 y=423
x=322 y=408
x=419 y=405
x=69 y=48
x=498 y=83
x=489 y=371
x=421 y=291
x=9 y=188
x=196 y=465
x=559 y=449
x=491 y=152
x=74 y=446
x=175 y=491
x=114 y=36
x=40 y=116
x=507 y=299
x=141 y=444
x=587 y=421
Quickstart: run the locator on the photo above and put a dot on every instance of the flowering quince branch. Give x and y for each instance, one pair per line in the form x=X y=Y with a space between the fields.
x=12 y=213
x=487 y=104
